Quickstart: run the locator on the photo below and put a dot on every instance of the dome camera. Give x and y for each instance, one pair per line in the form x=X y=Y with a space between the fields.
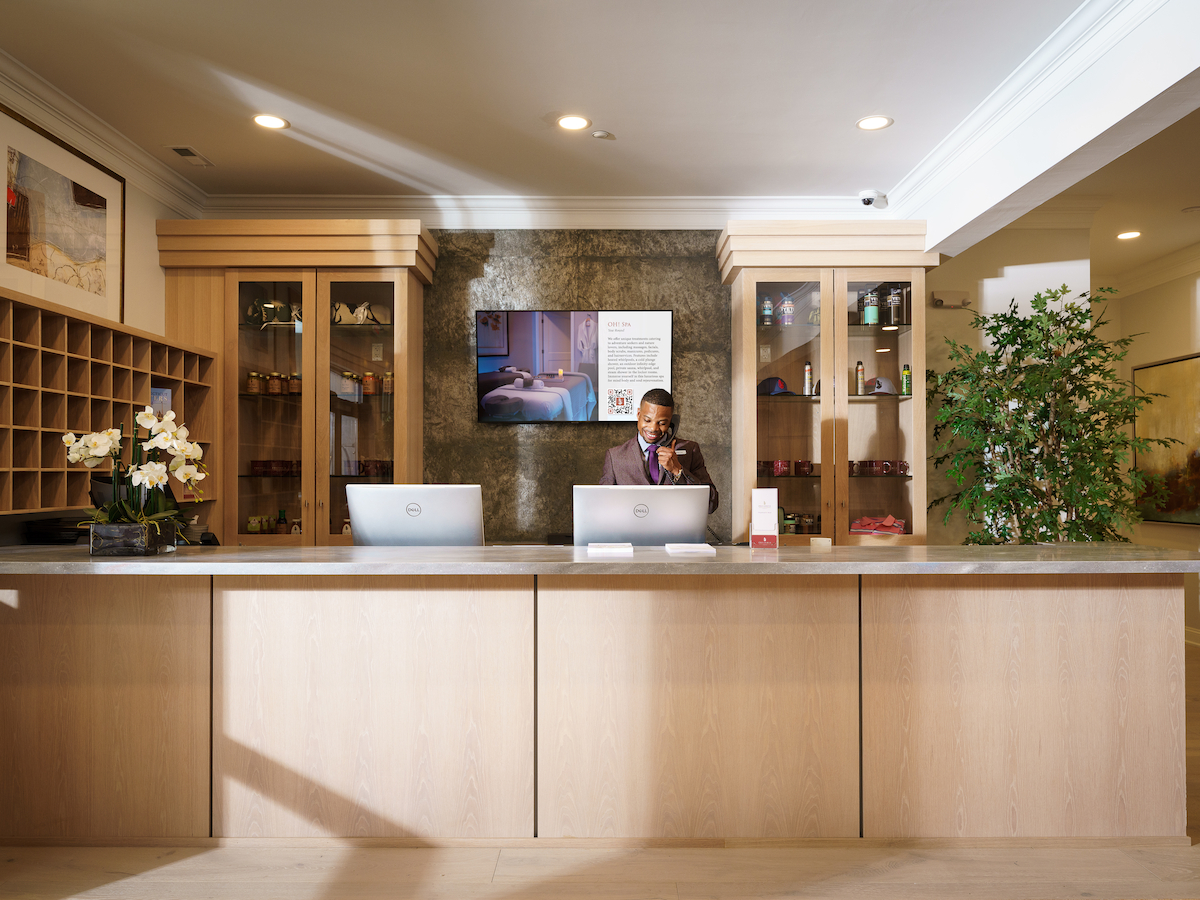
x=875 y=199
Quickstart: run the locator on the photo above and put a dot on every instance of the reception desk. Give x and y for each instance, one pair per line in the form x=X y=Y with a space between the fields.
x=514 y=692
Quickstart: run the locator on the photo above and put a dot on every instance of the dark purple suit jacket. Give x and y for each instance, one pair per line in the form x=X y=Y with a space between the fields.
x=626 y=465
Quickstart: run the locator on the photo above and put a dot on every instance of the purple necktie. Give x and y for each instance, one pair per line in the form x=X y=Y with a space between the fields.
x=652 y=462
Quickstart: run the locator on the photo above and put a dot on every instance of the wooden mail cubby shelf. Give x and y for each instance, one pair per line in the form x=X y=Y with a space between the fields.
x=62 y=370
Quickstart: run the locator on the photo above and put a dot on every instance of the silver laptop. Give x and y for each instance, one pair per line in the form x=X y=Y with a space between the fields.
x=424 y=515
x=642 y=515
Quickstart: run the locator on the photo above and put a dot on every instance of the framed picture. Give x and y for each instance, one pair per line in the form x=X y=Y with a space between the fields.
x=64 y=223
x=1173 y=415
x=491 y=333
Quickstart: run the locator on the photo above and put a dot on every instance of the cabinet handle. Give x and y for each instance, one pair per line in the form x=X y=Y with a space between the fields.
x=306 y=504
x=320 y=504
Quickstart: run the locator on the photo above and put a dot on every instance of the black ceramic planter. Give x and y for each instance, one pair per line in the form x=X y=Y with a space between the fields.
x=131 y=539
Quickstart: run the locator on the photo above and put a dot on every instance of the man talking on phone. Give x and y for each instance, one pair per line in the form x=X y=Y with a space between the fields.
x=654 y=455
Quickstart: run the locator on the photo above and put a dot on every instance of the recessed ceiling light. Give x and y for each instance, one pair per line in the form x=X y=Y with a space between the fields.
x=573 y=123
x=874 y=123
x=1128 y=235
x=890 y=328
x=272 y=121
x=883 y=349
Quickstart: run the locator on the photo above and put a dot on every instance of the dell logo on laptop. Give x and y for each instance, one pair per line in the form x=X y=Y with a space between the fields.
x=413 y=509
x=641 y=510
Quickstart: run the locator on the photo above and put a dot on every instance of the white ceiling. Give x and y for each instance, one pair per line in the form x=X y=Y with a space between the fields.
x=1145 y=190
x=394 y=97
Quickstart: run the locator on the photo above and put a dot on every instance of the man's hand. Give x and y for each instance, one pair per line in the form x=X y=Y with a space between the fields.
x=669 y=461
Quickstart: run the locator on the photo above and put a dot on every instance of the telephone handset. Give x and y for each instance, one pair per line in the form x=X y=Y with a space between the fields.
x=669 y=434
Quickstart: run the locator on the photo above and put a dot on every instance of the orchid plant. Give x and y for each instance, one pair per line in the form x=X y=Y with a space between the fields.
x=138 y=489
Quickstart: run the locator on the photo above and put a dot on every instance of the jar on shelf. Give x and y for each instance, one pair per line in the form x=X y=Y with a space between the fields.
x=389 y=383
x=347 y=389
x=370 y=384
x=254 y=383
x=275 y=384
x=295 y=385
x=870 y=308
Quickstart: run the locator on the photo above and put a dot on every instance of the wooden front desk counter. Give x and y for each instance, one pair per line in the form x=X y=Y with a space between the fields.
x=515 y=691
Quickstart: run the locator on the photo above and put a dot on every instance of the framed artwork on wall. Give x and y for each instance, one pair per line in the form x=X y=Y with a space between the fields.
x=491 y=332
x=64 y=222
x=1173 y=415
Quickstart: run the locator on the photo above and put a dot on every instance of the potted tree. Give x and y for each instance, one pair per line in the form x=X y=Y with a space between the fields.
x=1035 y=429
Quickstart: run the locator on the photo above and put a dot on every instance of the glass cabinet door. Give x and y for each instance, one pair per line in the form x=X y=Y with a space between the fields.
x=884 y=425
x=793 y=349
x=274 y=461
x=356 y=415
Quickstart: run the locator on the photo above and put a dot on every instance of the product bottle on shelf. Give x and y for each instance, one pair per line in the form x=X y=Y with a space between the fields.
x=860 y=378
x=766 y=312
x=906 y=380
x=787 y=310
x=281 y=524
x=808 y=381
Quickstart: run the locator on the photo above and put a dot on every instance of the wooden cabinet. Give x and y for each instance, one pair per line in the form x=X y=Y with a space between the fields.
x=322 y=343
x=844 y=452
x=62 y=370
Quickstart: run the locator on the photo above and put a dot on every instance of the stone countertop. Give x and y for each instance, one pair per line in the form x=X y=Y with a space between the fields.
x=542 y=560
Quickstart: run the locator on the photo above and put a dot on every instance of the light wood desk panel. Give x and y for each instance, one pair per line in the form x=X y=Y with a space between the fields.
x=1023 y=706
x=104 y=706
x=373 y=706
x=693 y=706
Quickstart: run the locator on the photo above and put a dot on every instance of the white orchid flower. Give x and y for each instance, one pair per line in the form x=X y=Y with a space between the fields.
x=147 y=419
x=114 y=434
x=188 y=450
x=99 y=444
x=160 y=441
x=151 y=474
x=181 y=433
x=165 y=424
x=188 y=474
x=68 y=439
x=92 y=461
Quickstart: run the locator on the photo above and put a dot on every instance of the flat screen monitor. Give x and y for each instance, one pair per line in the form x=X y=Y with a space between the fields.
x=642 y=515
x=416 y=515
x=569 y=365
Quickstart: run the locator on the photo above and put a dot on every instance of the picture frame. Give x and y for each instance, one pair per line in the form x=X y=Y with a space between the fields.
x=1172 y=415
x=491 y=331
x=64 y=222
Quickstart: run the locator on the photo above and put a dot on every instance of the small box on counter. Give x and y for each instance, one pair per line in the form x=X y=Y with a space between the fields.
x=764 y=518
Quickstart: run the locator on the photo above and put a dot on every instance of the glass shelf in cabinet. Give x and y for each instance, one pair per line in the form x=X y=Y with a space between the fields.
x=883 y=329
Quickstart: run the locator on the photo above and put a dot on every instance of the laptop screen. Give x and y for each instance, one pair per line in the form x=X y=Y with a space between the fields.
x=420 y=515
x=642 y=515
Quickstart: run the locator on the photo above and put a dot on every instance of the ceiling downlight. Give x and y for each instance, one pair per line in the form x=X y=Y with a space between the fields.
x=874 y=123
x=269 y=121
x=573 y=122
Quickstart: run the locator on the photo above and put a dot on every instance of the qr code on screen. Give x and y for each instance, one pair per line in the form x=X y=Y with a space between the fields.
x=620 y=403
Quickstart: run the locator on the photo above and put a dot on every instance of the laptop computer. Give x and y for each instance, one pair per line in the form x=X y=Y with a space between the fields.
x=642 y=515
x=416 y=515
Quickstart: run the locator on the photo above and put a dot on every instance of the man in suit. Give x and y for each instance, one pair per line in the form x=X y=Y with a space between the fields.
x=638 y=461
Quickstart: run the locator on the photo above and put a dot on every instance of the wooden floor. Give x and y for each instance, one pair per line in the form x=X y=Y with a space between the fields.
x=835 y=869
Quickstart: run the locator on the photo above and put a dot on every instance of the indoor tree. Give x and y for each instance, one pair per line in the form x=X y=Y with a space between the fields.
x=1036 y=428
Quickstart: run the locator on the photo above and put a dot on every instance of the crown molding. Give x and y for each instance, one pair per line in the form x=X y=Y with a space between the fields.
x=496 y=212
x=25 y=92
x=1092 y=30
x=1178 y=264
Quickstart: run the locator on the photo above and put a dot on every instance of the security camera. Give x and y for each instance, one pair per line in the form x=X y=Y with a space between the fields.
x=876 y=199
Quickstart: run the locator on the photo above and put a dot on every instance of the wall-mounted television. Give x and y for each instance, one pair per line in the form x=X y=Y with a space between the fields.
x=569 y=365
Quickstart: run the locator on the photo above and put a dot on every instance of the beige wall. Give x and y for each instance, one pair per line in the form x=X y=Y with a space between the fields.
x=1166 y=319
x=1013 y=263
x=145 y=285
